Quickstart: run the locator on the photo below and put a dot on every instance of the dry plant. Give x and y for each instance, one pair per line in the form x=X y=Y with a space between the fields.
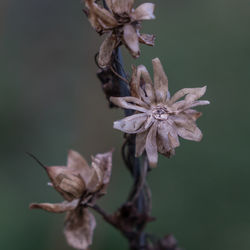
x=154 y=121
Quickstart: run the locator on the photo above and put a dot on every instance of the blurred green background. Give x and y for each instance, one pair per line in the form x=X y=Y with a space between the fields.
x=51 y=101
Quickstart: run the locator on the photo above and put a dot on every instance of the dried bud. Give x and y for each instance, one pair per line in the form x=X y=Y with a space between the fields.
x=121 y=24
x=79 y=184
x=159 y=119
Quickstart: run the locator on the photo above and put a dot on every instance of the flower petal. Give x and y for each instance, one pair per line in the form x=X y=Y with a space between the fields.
x=167 y=139
x=132 y=124
x=124 y=102
x=122 y=6
x=192 y=114
x=78 y=165
x=147 y=39
x=106 y=50
x=192 y=94
x=160 y=81
x=102 y=164
x=151 y=146
x=56 y=207
x=140 y=142
x=104 y=15
x=131 y=41
x=192 y=135
x=144 y=11
x=79 y=228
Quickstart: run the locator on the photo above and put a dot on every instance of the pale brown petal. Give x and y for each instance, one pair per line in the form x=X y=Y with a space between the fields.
x=79 y=228
x=194 y=135
x=104 y=15
x=151 y=146
x=147 y=39
x=140 y=143
x=166 y=143
x=131 y=41
x=144 y=12
x=124 y=102
x=106 y=50
x=56 y=207
x=160 y=81
x=122 y=6
x=132 y=124
x=192 y=94
x=134 y=83
x=78 y=165
x=143 y=74
x=192 y=114
x=184 y=121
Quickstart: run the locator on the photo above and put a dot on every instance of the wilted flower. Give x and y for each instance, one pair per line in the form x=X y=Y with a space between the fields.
x=79 y=184
x=122 y=24
x=159 y=119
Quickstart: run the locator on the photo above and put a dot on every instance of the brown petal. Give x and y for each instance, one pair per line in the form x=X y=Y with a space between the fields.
x=79 y=228
x=56 y=207
x=144 y=12
x=192 y=114
x=132 y=124
x=143 y=74
x=165 y=141
x=78 y=165
x=140 y=142
x=147 y=39
x=104 y=15
x=124 y=102
x=131 y=41
x=122 y=6
x=192 y=135
x=106 y=50
x=160 y=81
x=134 y=83
x=151 y=146
x=192 y=94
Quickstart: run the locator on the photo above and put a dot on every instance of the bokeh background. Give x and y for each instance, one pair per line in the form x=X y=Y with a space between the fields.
x=51 y=101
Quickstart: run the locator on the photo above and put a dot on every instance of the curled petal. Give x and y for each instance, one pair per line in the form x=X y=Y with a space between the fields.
x=56 y=207
x=131 y=124
x=147 y=39
x=192 y=94
x=134 y=84
x=151 y=146
x=131 y=41
x=144 y=12
x=102 y=164
x=124 y=102
x=192 y=135
x=160 y=81
x=79 y=228
x=192 y=114
x=106 y=50
x=122 y=6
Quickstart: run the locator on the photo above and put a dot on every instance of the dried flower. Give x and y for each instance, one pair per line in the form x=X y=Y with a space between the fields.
x=159 y=119
x=79 y=184
x=122 y=24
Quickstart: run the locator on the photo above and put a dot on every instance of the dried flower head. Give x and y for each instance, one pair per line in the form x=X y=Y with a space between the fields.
x=159 y=119
x=79 y=184
x=122 y=24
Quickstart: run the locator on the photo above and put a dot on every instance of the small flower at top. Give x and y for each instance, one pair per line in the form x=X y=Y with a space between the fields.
x=79 y=185
x=159 y=118
x=122 y=23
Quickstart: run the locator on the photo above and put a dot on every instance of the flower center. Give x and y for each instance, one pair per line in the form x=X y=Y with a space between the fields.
x=161 y=113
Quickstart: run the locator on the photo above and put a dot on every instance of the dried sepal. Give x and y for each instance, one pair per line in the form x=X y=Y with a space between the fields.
x=159 y=119
x=79 y=228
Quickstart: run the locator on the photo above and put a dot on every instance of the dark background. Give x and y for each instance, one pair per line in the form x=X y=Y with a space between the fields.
x=51 y=101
